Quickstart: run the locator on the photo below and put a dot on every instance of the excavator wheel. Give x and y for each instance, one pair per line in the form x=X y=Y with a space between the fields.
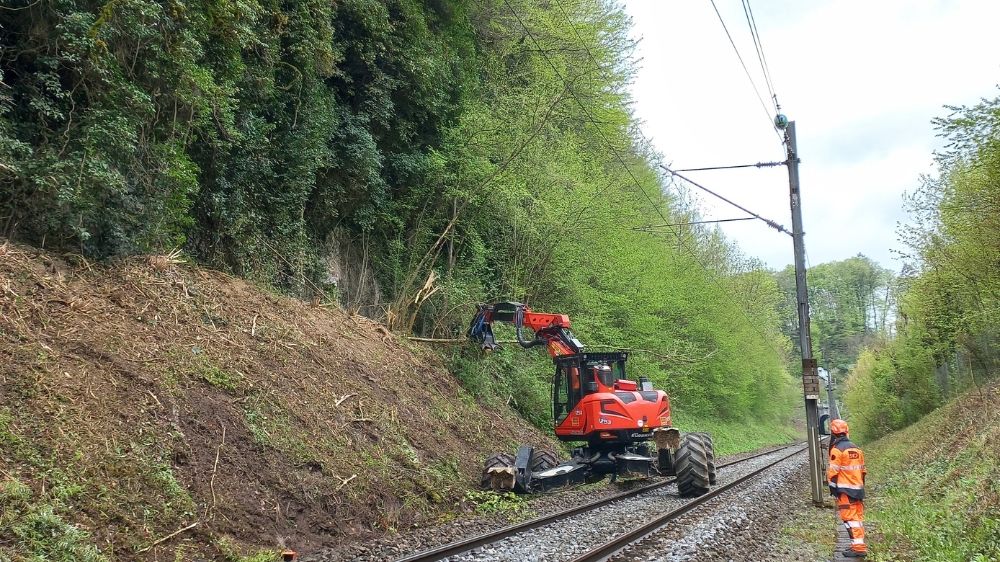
x=710 y=448
x=542 y=459
x=665 y=462
x=497 y=461
x=691 y=466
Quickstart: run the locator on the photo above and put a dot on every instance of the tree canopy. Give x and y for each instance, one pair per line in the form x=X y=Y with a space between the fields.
x=850 y=304
x=946 y=324
x=455 y=152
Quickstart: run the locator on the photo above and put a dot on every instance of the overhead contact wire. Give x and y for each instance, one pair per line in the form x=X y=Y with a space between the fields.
x=763 y=57
x=612 y=148
x=757 y=48
x=763 y=105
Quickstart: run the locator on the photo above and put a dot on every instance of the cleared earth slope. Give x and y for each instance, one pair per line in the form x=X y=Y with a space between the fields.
x=935 y=486
x=150 y=397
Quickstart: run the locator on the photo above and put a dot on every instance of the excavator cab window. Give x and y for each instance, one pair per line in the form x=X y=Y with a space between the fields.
x=581 y=374
x=560 y=397
x=566 y=391
x=605 y=375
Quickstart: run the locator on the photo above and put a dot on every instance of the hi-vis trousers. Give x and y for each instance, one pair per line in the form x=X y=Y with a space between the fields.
x=852 y=513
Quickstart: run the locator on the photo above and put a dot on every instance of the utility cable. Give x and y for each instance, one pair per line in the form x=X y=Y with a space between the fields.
x=768 y=222
x=756 y=46
x=763 y=105
x=583 y=107
x=681 y=241
x=760 y=51
x=619 y=157
x=652 y=226
x=757 y=165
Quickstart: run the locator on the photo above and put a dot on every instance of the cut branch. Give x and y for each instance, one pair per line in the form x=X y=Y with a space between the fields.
x=342 y=398
x=215 y=466
x=344 y=481
x=168 y=537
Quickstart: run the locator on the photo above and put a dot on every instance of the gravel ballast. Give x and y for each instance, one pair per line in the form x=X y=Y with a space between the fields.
x=559 y=541
x=741 y=524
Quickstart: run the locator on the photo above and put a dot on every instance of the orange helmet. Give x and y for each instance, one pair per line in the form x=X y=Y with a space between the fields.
x=838 y=427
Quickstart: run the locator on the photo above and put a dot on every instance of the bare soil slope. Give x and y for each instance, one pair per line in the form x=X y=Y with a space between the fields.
x=148 y=397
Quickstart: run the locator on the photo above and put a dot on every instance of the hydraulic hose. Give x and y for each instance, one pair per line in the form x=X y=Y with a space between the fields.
x=518 y=325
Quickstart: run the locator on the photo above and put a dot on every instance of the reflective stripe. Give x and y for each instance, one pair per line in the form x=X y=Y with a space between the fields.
x=854 y=524
x=847 y=466
x=857 y=541
x=850 y=486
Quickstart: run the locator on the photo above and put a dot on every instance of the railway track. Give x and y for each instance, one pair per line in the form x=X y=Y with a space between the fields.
x=605 y=550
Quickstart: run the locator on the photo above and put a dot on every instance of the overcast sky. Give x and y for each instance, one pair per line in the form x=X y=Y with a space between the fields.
x=862 y=81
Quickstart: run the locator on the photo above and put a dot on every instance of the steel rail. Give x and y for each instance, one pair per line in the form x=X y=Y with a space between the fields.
x=617 y=544
x=465 y=545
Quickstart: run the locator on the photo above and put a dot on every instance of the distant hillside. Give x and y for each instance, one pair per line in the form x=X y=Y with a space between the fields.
x=935 y=486
x=149 y=397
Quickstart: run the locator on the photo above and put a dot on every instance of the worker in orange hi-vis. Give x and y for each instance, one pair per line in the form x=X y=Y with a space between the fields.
x=846 y=476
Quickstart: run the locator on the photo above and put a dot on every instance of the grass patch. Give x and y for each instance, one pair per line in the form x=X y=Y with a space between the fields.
x=34 y=526
x=935 y=486
x=220 y=378
x=184 y=364
x=271 y=427
x=487 y=502
x=128 y=482
x=731 y=437
x=230 y=552
x=812 y=532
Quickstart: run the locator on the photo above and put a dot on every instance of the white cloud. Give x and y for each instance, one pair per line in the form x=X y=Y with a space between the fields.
x=862 y=80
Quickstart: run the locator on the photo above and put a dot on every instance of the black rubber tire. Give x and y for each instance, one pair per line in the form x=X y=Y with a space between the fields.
x=542 y=459
x=642 y=449
x=665 y=462
x=710 y=449
x=691 y=466
x=498 y=459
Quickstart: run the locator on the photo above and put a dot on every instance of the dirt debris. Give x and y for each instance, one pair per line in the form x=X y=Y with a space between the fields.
x=153 y=395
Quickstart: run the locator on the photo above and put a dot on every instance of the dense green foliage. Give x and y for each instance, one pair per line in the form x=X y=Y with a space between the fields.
x=849 y=304
x=947 y=328
x=247 y=130
x=461 y=151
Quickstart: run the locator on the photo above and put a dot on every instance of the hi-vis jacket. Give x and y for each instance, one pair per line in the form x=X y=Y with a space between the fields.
x=846 y=473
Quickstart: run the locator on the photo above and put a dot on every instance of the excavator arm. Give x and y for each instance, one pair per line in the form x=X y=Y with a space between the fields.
x=550 y=330
x=592 y=402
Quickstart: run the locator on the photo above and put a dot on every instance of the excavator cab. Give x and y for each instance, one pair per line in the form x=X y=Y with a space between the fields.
x=581 y=374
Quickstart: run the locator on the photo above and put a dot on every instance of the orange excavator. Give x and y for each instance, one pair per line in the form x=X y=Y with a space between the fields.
x=613 y=419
